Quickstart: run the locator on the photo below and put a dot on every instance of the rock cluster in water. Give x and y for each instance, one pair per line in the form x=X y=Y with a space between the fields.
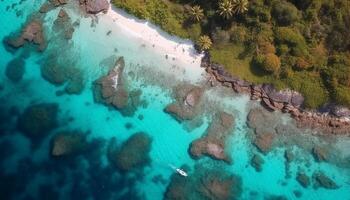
x=134 y=153
x=37 y=120
x=63 y=25
x=187 y=101
x=31 y=33
x=68 y=143
x=334 y=121
x=94 y=6
x=213 y=143
x=112 y=90
x=15 y=69
x=204 y=184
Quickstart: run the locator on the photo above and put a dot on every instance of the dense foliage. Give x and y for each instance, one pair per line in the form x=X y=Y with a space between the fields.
x=300 y=44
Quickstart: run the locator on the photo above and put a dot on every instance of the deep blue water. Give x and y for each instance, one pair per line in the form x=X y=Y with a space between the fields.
x=30 y=171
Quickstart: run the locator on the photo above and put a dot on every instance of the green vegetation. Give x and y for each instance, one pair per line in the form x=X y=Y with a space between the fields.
x=299 y=44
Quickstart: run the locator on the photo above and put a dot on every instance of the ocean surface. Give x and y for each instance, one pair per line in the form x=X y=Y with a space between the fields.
x=30 y=171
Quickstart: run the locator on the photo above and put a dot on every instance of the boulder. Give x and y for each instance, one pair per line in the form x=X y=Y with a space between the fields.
x=187 y=102
x=94 y=6
x=303 y=179
x=31 y=33
x=213 y=142
x=68 y=143
x=15 y=69
x=257 y=161
x=320 y=154
x=324 y=181
x=134 y=153
x=37 y=120
x=263 y=141
x=340 y=111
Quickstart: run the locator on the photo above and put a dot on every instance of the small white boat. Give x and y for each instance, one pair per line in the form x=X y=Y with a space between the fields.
x=179 y=171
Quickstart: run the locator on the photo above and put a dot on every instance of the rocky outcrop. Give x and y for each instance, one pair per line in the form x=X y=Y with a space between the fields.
x=112 y=90
x=187 y=102
x=15 y=69
x=63 y=25
x=324 y=181
x=263 y=141
x=320 y=154
x=37 y=120
x=303 y=179
x=335 y=121
x=214 y=140
x=68 y=143
x=59 y=74
x=204 y=184
x=31 y=33
x=51 y=4
x=134 y=153
x=94 y=6
x=257 y=161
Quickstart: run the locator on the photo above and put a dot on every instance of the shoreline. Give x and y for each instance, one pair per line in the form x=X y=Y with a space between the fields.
x=171 y=46
x=286 y=101
x=326 y=122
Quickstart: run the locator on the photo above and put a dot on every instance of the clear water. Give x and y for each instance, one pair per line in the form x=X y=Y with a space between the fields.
x=27 y=168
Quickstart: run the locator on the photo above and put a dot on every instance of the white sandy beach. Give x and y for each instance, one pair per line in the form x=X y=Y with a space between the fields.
x=172 y=46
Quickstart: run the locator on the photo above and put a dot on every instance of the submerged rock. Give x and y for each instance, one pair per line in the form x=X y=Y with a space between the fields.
x=303 y=179
x=58 y=74
x=95 y=6
x=187 y=102
x=63 y=25
x=263 y=141
x=134 y=153
x=324 y=181
x=214 y=141
x=37 y=120
x=31 y=33
x=111 y=90
x=257 y=162
x=15 y=69
x=204 y=184
x=262 y=121
x=320 y=154
x=68 y=143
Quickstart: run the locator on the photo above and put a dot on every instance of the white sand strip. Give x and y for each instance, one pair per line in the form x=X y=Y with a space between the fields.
x=172 y=46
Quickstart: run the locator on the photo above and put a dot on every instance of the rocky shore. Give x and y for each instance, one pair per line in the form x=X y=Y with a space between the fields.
x=330 y=120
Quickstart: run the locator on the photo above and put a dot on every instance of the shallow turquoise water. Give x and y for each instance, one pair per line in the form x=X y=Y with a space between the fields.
x=93 y=51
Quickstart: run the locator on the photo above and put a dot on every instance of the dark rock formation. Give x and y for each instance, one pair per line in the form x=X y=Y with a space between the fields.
x=287 y=101
x=58 y=74
x=204 y=184
x=214 y=141
x=320 y=154
x=324 y=181
x=58 y=2
x=31 y=33
x=37 y=120
x=288 y=155
x=63 y=25
x=112 y=90
x=68 y=143
x=257 y=161
x=187 y=102
x=262 y=121
x=303 y=179
x=134 y=153
x=263 y=142
x=15 y=69
x=51 y=4
x=94 y=6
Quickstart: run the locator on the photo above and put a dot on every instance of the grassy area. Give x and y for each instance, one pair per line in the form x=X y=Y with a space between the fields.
x=286 y=43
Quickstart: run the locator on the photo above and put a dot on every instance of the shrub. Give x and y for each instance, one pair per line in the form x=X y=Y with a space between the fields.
x=268 y=62
x=293 y=39
x=238 y=34
x=302 y=64
x=220 y=37
x=266 y=47
x=342 y=95
x=285 y=13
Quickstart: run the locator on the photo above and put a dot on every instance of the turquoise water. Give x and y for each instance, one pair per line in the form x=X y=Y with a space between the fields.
x=29 y=172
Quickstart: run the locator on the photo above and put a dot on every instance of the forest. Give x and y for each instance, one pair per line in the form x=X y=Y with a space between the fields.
x=299 y=44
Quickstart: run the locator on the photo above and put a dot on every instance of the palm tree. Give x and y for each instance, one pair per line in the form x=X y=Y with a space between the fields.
x=240 y=6
x=204 y=42
x=226 y=8
x=196 y=13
